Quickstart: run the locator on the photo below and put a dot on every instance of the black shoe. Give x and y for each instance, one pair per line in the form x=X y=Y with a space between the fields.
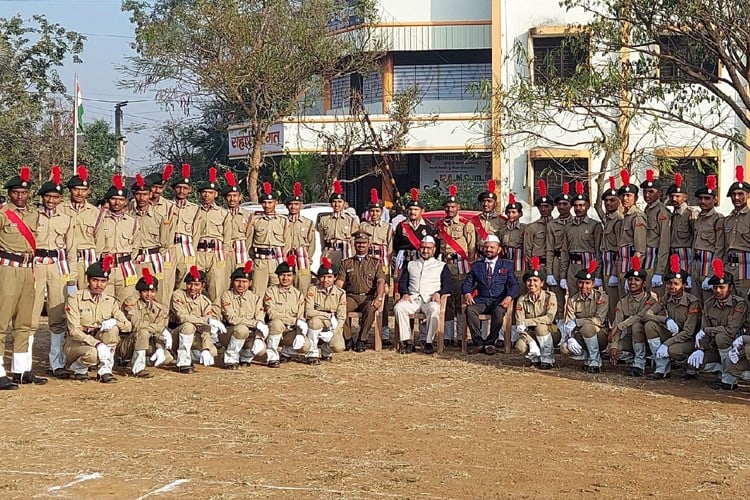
x=658 y=376
x=634 y=372
x=387 y=343
x=107 y=378
x=185 y=369
x=689 y=376
x=447 y=343
x=325 y=352
x=7 y=384
x=407 y=347
x=428 y=349
x=349 y=344
x=231 y=366
x=28 y=378
x=81 y=377
x=313 y=361
x=360 y=346
x=284 y=359
x=545 y=366
x=723 y=386
x=61 y=373
x=593 y=369
x=274 y=364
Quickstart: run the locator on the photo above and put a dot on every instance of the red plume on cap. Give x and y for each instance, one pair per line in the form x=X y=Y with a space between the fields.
x=117 y=181
x=566 y=188
x=291 y=260
x=678 y=180
x=542 y=186
x=147 y=277
x=649 y=175
x=739 y=172
x=612 y=183
x=248 y=267
x=511 y=199
x=535 y=263
x=325 y=262
x=414 y=194
x=56 y=175
x=491 y=186
x=625 y=176
x=674 y=263
x=231 y=180
x=267 y=188
x=337 y=187
x=452 y=190
x=297 y=189
x=168 y=169
x=139 y=180
x=579 y=187
x=83 y=174
x=212 y=175
x=186 y=171
x=718 y=266
x=194 y=273
x=635 y=263
x=592 y=267
x=107 y=262
x=711 y=182
x=25 y=174
x=374 y=196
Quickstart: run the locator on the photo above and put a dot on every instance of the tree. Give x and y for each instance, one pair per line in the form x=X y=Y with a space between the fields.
x=259 y=58
x=98 y=151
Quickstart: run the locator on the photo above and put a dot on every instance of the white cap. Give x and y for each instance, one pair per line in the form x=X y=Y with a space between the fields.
x=492 y=239
x=428 y=239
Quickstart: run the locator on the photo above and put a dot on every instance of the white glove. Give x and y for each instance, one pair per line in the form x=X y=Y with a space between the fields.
x=738 y=343
x=108 y=324
x=689 y=282
x=158 y=357
x=325 y=336
x=206 y=358
x=672 y=326
x=574 y=347
x=698 y=337
x=166 y=336
x=564 y=284
x=214 y=335
x=705 y=284
x=302 y=324
x=662 y=352
x=733 y=355
x=612 y=281
x=551 y=281
x=569 y=327
x=215 y=323
x=696 y=359
x=656 y=280
x=598 y=282
x=334 y=322
x=103 y=351
x=534 y=350
x=262 y=328
x=71 y=290
x=521 y=327
x=299 y=342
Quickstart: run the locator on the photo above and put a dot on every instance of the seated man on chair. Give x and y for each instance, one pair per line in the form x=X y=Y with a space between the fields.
x=421 y=284
x=494 y=280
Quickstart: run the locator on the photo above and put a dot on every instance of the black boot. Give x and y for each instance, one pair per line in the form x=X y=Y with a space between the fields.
x=349 y=344
x=28 y=378
x=360 y=346
x=7 y=384
x=325 y=352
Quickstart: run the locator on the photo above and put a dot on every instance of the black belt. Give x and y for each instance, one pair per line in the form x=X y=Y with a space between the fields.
x=21 y=258
x=542 y=260
x=557 y=253
x=335 y=245
x=733 y=258
x=264 y=251
x=206 y=245
x=118 y=260
x=45 y=253
x=576 y=257
x=150 y=251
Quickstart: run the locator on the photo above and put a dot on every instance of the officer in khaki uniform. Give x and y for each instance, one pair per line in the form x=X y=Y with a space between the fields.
x=535 y=315
x=511 y=238
x=153 y=234
x=149 y=335
x=487 y=222
x=658 y=231
x=213 y=232
x=285 y=315
x=115 y=235
x=18 y=222
x=627 y=337
x=555 y=236
x=94 y=321
x=266 y=239
x=682 y=226
x=244 y=316
x=708 y=241
x=535 y=234
x=610 y=247
x=300 y=239
x=671 y=323
x=631 y=242
x=198 y=324
x=584 y=334
x=84 y=216
x=157 y=180
x=240 y=225
x=54 y=268
x=737 y=235
x=381 y=247
x=582 y=241
x=456 y=245
x=181 y=254
x=325 y=310
x=363 y=280
x=336 y=229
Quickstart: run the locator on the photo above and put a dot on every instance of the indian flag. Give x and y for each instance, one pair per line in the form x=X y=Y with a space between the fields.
x=79 y=109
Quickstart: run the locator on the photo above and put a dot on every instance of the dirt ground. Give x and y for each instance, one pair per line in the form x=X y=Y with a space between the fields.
x=375 y=425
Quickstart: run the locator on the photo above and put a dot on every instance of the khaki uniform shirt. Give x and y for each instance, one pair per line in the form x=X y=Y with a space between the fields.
x=267 y=231
x=381 y=233
x=241 y=309
x=115 y=234
x=631 y=309
x=737 y=231
x=300 y=234
x=709 y=233
x=581 y=236
x=183 y=218
x=590 y=310
x=284 y=304
x=536 y=312
x=658 y=233
x=11 y=239
x=58 y=233
x=360 y=276
x=490 y=222
x=554 y=241
x=185 y=309
x=152 y=317
x=610 y=234
x=683 y=221
x=84 y=222
x=726 y=319
x=321 y=303
x=511 y=236
x=463 y=233
x=535 y=240
x=633 y=232
x=84 y=316
x=239 y=225
x=152 y=232
x=337 y=227
x=213 y=223
x=685 y=311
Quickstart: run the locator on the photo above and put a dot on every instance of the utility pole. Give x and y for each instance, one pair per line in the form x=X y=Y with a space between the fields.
x=120 y=137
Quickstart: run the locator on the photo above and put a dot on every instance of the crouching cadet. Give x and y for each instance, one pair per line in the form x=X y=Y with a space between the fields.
x=584 y=335
x=739 y=357
x=535 y=314
x=285 y=309
x=149 y=336
x=243 y=314
x=325 y=311
x=198 y=325
x=670 y=324
x=94 y=322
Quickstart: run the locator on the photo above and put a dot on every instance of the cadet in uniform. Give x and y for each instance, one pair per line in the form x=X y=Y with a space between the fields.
x=363 y=280
x=511 y=239
x=535 y=315
x=336 y=229
x=18 y=223
x=535 y=234
x=115 y=234
x=149 y=335
x=325 y=311
x=213 y=231
x=737 y=235
x=153 y=234
x=94 y=321
x=54 y=268
x=244 y=316
x=381 y=247
x=409 y=234
x=585 y=317
x=181 y=254
x=198 y=323
x=739 y=357
x=708 y=241
x=163 y=208
x=582 y=240
x=610 y=246
x=488 y=222
x=240 y=225
x=682 y=225
x=300 y=239
x=671 y=323
x=555 y=237
x=632 y=238
x=266 y=240
x=627 y=337
x=658 y=230
x=285 y=312
x=456 y=247
x=84 y=216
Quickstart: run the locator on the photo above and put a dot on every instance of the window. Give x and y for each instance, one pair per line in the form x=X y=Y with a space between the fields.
x=678 y=55
x=694 y=171
x=341 y=92
x=344 y=88
x=441 y=81
x=372 y=88
x=557 y=170
x=560 y=56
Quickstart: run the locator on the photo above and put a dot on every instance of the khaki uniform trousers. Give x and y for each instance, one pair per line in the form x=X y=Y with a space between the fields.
x=533 y=334
x=302 y=280
x=174 y=273
x=613 y=296
x=741 y=286
x=117 y=287
x=585 y=333
x=361 y=304
x=217 y=280
x=47 y=278
x=16 y=306
x=288 y=339
x=739 y=368
x=264 y=275
x=140 y=341
x=82 y=355
x=201 y=337
x=337 y=343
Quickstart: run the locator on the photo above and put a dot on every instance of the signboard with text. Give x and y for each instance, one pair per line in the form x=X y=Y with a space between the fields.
x=441 y=170
x=240 y=141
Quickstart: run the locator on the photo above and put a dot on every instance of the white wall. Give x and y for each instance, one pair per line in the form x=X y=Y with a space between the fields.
x=410 y=11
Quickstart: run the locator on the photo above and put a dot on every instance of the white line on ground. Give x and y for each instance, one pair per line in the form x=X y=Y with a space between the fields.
x=164 y=489
x=79 y=479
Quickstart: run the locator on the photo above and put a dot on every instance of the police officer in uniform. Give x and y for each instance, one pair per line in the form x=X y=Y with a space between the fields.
x=84 y=216
x=582 y=240
x=381 y=247
x=555 y=237
x=682 y=225
x=708 y=241
x=658 y=230
x=363 y=280
x=610 y=246
x=181 y=254
x=633 y=231
x=240 y=225
x=325 y=312
x=285 y=314
x=487 y=222
x=336 y=229
x=301 y=239
x=737 y=234
x=266 y=242
x=535 y=315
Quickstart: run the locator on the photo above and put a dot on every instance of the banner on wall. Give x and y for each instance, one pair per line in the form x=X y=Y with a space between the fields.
x=442 y=170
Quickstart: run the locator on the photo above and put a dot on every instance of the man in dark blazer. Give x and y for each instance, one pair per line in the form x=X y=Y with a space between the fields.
x=495 y=282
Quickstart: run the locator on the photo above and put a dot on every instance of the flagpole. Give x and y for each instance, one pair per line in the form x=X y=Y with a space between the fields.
x=75 y=124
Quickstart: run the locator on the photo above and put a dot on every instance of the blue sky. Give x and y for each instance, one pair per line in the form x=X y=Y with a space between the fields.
x=109 y=35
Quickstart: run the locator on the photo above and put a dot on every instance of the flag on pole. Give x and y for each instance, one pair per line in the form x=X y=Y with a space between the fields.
x=79 y=109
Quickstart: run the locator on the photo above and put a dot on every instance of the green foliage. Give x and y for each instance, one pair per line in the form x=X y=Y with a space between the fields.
x=433 y=198
x=304 y=168
x=98 y=150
